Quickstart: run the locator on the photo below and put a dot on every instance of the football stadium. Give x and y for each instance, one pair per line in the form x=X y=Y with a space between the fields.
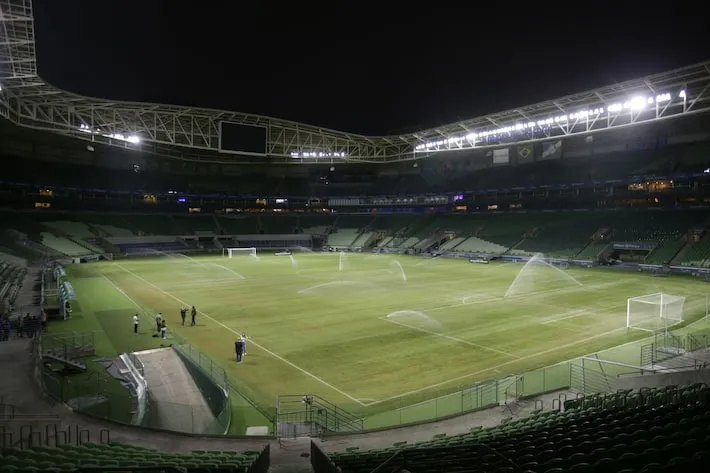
x=203 y=290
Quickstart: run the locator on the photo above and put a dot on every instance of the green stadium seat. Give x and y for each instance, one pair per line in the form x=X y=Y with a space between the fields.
x=114 y=456
x=594 y=433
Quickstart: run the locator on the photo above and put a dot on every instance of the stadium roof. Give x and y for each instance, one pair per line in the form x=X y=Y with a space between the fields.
x=189 y=133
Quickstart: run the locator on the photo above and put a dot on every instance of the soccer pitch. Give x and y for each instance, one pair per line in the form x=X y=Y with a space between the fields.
x=367 y=332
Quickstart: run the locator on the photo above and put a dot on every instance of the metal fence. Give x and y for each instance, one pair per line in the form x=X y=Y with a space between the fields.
x=457 y=401
x=595 y=374
x=97 y=393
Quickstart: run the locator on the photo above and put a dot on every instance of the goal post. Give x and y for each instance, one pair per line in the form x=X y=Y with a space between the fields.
x=654 y=312
x=238 y=252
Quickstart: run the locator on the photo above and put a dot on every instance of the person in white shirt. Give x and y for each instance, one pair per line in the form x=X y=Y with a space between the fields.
x=135 y=323
x=158 y=321
x=244 y=338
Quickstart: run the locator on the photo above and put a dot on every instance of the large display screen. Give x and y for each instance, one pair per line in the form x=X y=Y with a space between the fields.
x=242 y=139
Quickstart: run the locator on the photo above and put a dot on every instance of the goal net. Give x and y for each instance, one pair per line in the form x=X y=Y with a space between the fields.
x=238 y=252
x=654 y=312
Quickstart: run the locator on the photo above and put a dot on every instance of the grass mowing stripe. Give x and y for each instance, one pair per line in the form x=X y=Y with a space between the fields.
x=251 y=341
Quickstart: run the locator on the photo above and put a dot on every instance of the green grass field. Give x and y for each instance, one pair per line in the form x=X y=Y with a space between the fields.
x=370 y=333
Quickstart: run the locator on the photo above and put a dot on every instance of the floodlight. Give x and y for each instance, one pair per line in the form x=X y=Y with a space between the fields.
x=634 y=104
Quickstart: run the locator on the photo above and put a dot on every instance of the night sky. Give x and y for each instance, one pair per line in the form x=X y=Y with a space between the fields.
x=373 y=67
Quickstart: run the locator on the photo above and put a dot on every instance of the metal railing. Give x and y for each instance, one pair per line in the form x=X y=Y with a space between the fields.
x=307 y=415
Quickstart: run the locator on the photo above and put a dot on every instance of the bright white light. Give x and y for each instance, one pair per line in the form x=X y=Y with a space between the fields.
x=318 y=154
x=130 y=139
x=636 y=103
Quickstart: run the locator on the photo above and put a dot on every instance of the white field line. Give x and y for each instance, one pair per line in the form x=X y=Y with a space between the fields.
x=522 y=297
x=495 y=367
x=449 y=337
x=198 y=283
x=140 y=311
x=543 y=367
x=568 y=315
x=274 y=355
x=230 y=270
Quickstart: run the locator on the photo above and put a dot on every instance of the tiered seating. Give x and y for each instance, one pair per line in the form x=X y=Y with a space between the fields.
x=239 y=225
x=564 y=234
x=451 y=244
x=151 y=247
x=421 y=229
x=23 y=224
x=362 y=239
x=112 y=231
x=190 y=224
x=278 y=224
x=592 y=250
x=103 y=457
x=73 y=228
x=343 y=237
x=666 y=429
x=508 y=229
x=107 y=224
x=666 y=250
x=656 y=226
x=11 y=278
x=354 y=221
x=157 y=224
x=698 y=255
x=315 y=223
x=401 y=229
x=349 y=229
x=463 y=226
x=64 y=245
x=477 y=245
x=78 y=232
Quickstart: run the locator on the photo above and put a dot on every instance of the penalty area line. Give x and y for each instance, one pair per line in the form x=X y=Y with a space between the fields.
x=449 y=337
x=572 y=314
x=261 y=347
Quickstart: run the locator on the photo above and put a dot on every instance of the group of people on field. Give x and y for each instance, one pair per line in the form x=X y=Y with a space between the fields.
x=161 y=326
x=240 y=345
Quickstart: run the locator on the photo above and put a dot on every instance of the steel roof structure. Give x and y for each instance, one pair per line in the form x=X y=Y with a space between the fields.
x=193 y=133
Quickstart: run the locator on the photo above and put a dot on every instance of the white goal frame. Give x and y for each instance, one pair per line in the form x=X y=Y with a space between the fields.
x=659 y=317
x=248 y=251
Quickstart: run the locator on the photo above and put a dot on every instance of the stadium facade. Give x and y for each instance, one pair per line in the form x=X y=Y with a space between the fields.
x=218 y=135
x=617 y=176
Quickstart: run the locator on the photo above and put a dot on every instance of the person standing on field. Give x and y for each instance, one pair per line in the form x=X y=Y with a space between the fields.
x=163 y=329
x=158 y=321
x=193 y=315
x=239 y=348
x=135 y=323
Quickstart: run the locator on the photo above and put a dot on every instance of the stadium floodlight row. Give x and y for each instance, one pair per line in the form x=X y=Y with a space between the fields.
x=196 y=134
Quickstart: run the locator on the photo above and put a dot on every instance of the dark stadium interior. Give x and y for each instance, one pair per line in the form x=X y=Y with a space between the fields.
x=658 y=150
x=634 y=197
x=614 y=182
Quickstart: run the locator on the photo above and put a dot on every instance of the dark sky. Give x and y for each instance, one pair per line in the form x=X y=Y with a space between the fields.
x=367 y=67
